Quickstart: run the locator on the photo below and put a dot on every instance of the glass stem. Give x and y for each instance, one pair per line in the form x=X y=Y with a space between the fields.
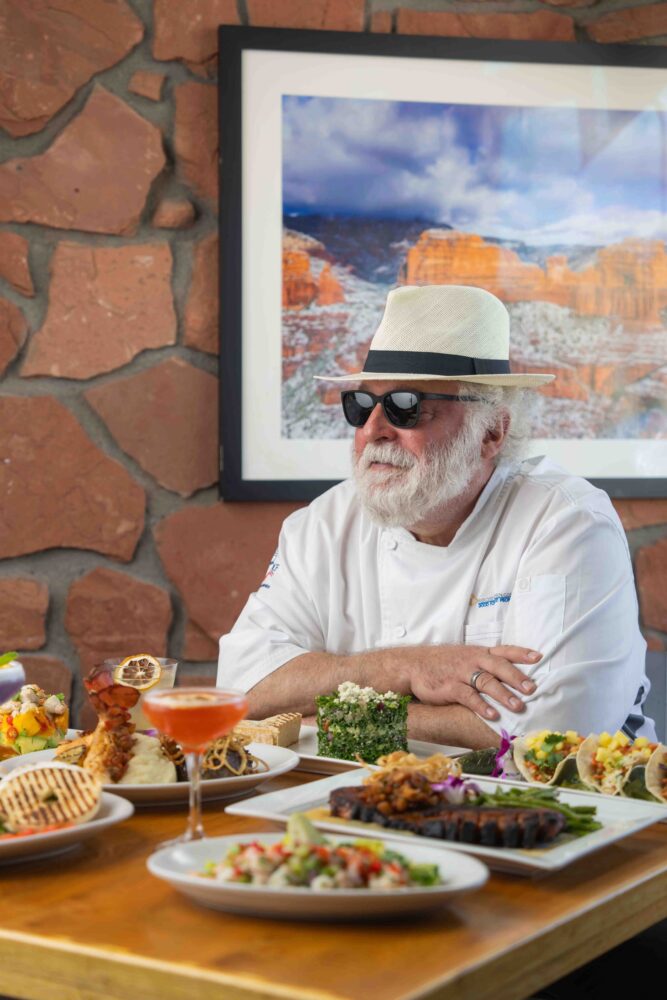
x=194 y=829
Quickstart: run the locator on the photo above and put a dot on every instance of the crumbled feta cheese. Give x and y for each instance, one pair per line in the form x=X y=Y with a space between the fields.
x=349 y=692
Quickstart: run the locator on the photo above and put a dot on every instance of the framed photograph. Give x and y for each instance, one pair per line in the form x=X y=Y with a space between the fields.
x=351 y=164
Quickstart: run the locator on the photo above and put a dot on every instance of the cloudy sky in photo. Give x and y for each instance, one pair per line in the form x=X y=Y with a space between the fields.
x=541 y=175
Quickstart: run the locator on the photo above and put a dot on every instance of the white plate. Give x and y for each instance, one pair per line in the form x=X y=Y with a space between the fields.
x=178 y=864
x=306 y=747
x=39 y=845
x=619 y=818
x=279 y=761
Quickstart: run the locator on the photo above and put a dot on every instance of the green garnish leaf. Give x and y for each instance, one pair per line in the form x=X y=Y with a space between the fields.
x=7 y=658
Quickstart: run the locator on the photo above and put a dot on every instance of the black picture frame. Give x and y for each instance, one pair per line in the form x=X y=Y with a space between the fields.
x=234 y=43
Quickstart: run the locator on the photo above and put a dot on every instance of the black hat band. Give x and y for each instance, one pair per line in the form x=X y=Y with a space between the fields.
x=432 y=363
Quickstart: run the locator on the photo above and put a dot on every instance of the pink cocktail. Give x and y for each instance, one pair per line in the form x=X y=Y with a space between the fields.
x=195 y=717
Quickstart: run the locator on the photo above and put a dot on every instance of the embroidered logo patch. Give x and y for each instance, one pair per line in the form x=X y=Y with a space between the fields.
x=488 y=602
x=273 y=567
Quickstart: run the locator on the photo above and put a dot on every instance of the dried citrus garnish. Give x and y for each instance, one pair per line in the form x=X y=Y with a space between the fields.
x=141 y=671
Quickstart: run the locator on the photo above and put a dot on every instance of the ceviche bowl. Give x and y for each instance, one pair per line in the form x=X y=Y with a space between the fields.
x=182 y=867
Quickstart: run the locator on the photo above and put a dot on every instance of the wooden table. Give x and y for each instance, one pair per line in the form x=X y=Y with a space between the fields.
x=94 y=925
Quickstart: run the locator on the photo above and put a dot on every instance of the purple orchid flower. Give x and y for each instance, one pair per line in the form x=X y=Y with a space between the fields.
x=455 y=790
x=504 y=755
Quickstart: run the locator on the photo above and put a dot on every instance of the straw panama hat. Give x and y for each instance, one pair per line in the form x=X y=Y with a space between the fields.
x=450 y=333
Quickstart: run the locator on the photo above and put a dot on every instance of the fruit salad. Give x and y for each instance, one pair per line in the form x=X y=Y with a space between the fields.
x=33 y=720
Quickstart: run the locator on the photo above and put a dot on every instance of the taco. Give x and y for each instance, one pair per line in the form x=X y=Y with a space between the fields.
x=656 y=773
x=549 y=757
x=615 y=764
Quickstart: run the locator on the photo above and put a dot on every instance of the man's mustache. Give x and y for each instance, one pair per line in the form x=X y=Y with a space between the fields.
x=388 y=454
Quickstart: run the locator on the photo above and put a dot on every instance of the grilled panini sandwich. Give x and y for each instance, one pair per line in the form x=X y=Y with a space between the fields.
x=46 y=795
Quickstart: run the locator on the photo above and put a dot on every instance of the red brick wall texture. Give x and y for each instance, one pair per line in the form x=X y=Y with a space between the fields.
x=112 y=538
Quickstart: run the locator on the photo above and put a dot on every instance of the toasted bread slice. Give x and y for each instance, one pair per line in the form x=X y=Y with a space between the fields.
x=53 y=794
x=278 y=730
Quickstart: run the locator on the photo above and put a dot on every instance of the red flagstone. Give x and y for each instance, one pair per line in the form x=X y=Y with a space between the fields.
x=23 y=606
x=166 y=418
x=543 y=25
x=196 y=137
x=106 y=305
x=174 y=213
x=13 y=330
x=87 y=179
x=651 y=567
x=188 y=30
x=14 y=262
x=197 y=646
x=60 y=490
x=341 y=15
x=147 y=84
x=201 y=311
x=50 y=49
x=630 y=24
x=641 y=513
x=113 y=614
x=215 y=556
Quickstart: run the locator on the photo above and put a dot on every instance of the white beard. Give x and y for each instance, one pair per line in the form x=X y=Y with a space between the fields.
x=409 y=494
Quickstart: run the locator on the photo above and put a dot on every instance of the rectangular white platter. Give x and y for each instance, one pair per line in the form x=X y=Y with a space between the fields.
x=306 y=747
x=619 y=818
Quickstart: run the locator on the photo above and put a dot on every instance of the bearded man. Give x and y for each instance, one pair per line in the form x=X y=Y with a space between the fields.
x=499 y=594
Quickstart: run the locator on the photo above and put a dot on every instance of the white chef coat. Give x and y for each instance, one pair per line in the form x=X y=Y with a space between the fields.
x=542 y=561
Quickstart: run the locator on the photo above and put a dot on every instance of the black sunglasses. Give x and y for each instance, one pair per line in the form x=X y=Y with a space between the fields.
x=401 y=406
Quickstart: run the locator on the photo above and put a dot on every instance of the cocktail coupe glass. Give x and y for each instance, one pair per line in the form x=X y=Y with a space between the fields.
x=194 y=717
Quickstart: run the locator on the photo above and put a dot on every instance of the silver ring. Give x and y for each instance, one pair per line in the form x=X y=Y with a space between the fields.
x=475 y=677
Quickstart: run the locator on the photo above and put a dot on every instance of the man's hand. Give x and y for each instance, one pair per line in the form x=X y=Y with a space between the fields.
x=443 y=673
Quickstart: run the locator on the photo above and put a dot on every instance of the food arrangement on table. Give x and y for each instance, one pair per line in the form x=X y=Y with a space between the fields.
x=149 y=768
x=51 y=807
x=302 y=874
x=30 y=719
x=610 y=764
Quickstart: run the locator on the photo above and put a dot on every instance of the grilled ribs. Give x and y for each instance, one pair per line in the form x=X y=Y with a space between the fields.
x=489 y=825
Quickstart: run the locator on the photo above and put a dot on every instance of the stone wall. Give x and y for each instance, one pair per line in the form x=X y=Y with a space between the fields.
x=112 y=538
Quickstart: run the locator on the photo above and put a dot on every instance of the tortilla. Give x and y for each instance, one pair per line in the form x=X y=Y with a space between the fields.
x=626 y=778
x=656 y=773
x=565 y=772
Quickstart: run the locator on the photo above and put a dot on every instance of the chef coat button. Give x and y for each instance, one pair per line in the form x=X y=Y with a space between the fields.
x=523 y=583
x=390 y=542
x=399 y=631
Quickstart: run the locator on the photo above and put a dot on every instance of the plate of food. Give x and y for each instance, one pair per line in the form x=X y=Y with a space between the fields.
x=312 y=761
x=32 y=720
x=148 y=759
x=49 y=807
x=609 y=764
x=303 y=875
x=518 y=829
x=354 y=725
x=149 y=769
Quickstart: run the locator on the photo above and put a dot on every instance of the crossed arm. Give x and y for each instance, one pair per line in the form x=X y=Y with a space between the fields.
x=447 y=708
